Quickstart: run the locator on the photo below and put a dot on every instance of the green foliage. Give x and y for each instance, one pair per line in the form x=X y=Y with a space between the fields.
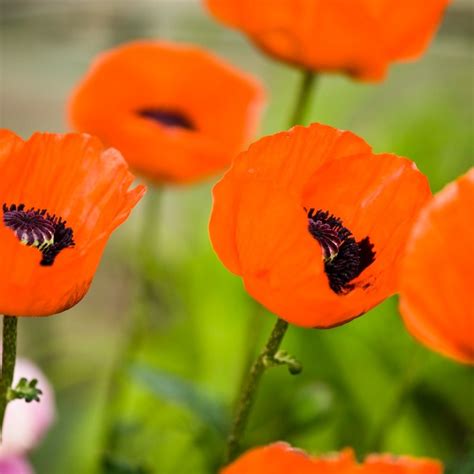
x=176 y=390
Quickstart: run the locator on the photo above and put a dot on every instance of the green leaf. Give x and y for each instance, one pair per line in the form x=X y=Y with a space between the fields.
x=462 y=466
x=27 y=390
x=182 y=392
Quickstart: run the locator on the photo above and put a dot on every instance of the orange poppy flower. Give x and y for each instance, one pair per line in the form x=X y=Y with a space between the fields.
x=176 y=112
x=315 y=223
x=281 y=458
x=61 y=197
x=436 y=299
x=389 y=464
x=358 y=37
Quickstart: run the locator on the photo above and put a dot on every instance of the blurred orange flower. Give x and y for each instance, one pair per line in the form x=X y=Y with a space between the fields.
x=358 y=37
x=281 y=458
x=436 y=293
x=315 y=223
x=176 y=112
x=61 y=196
x=390 y=464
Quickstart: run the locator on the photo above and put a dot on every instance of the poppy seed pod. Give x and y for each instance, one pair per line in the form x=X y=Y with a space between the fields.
x=315 y=223
x=176 y=112
x=62 y=196
x=357 y=37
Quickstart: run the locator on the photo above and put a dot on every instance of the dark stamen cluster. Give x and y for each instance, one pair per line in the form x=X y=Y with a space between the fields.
x=344 y=258
x=37 y=228
x=169 y=118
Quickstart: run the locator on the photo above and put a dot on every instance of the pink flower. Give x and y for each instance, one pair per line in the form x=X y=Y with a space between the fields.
x=14 y=465
x=26 y=423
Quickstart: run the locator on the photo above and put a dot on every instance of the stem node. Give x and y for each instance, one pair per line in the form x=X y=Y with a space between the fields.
x=265 y=360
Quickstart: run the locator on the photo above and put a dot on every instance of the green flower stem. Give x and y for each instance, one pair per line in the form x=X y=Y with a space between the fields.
x=249 y=389
x=253 y=332
x=139 y=324
x=147 y=267
x=8 y=363
x=303 y=101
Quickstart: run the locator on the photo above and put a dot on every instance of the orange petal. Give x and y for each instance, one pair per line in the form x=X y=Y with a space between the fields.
x=389 y=464
x=297 y=153
x=259 y=226
x=408 y=29
x=377 y=196
x=75 y=178
x=358 y=37
x=436 y=299
x=319 y=142
x=281 y=458
x=221 y=104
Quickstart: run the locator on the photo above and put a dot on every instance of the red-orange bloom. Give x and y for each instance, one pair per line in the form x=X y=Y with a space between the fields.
x=281 y=458
x=389 y=464
x=176 y=112
x=358 y=37
x=436 y=297
x=315 y=223
x=61 y=198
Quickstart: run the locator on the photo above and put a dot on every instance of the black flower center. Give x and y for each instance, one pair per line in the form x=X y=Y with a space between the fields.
x=37 y=228
x=169 y=118
x=344 y=258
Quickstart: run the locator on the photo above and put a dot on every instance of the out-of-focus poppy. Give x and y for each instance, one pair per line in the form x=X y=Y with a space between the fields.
x=176 y=112
x=436 y=298
x=315 y=223
x=281 y=458
x=358 y=37
x=390 y=464
x=61 y=197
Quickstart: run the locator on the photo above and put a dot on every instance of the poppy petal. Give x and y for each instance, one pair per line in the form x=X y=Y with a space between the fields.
x=281 y=458
x=389 y=464
x=258 y=162
x=298 y=154
x=73 y=177
x=437 y=272
x=259 y=222
x=376 y=196
x=176 y=112
x=409 y=29
x=357 y=37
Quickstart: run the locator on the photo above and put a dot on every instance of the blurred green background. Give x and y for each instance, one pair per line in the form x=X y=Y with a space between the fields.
x=172 y=407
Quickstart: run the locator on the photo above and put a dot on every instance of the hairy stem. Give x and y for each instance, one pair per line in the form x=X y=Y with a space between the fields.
x=8 y=363
x=249 y=389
